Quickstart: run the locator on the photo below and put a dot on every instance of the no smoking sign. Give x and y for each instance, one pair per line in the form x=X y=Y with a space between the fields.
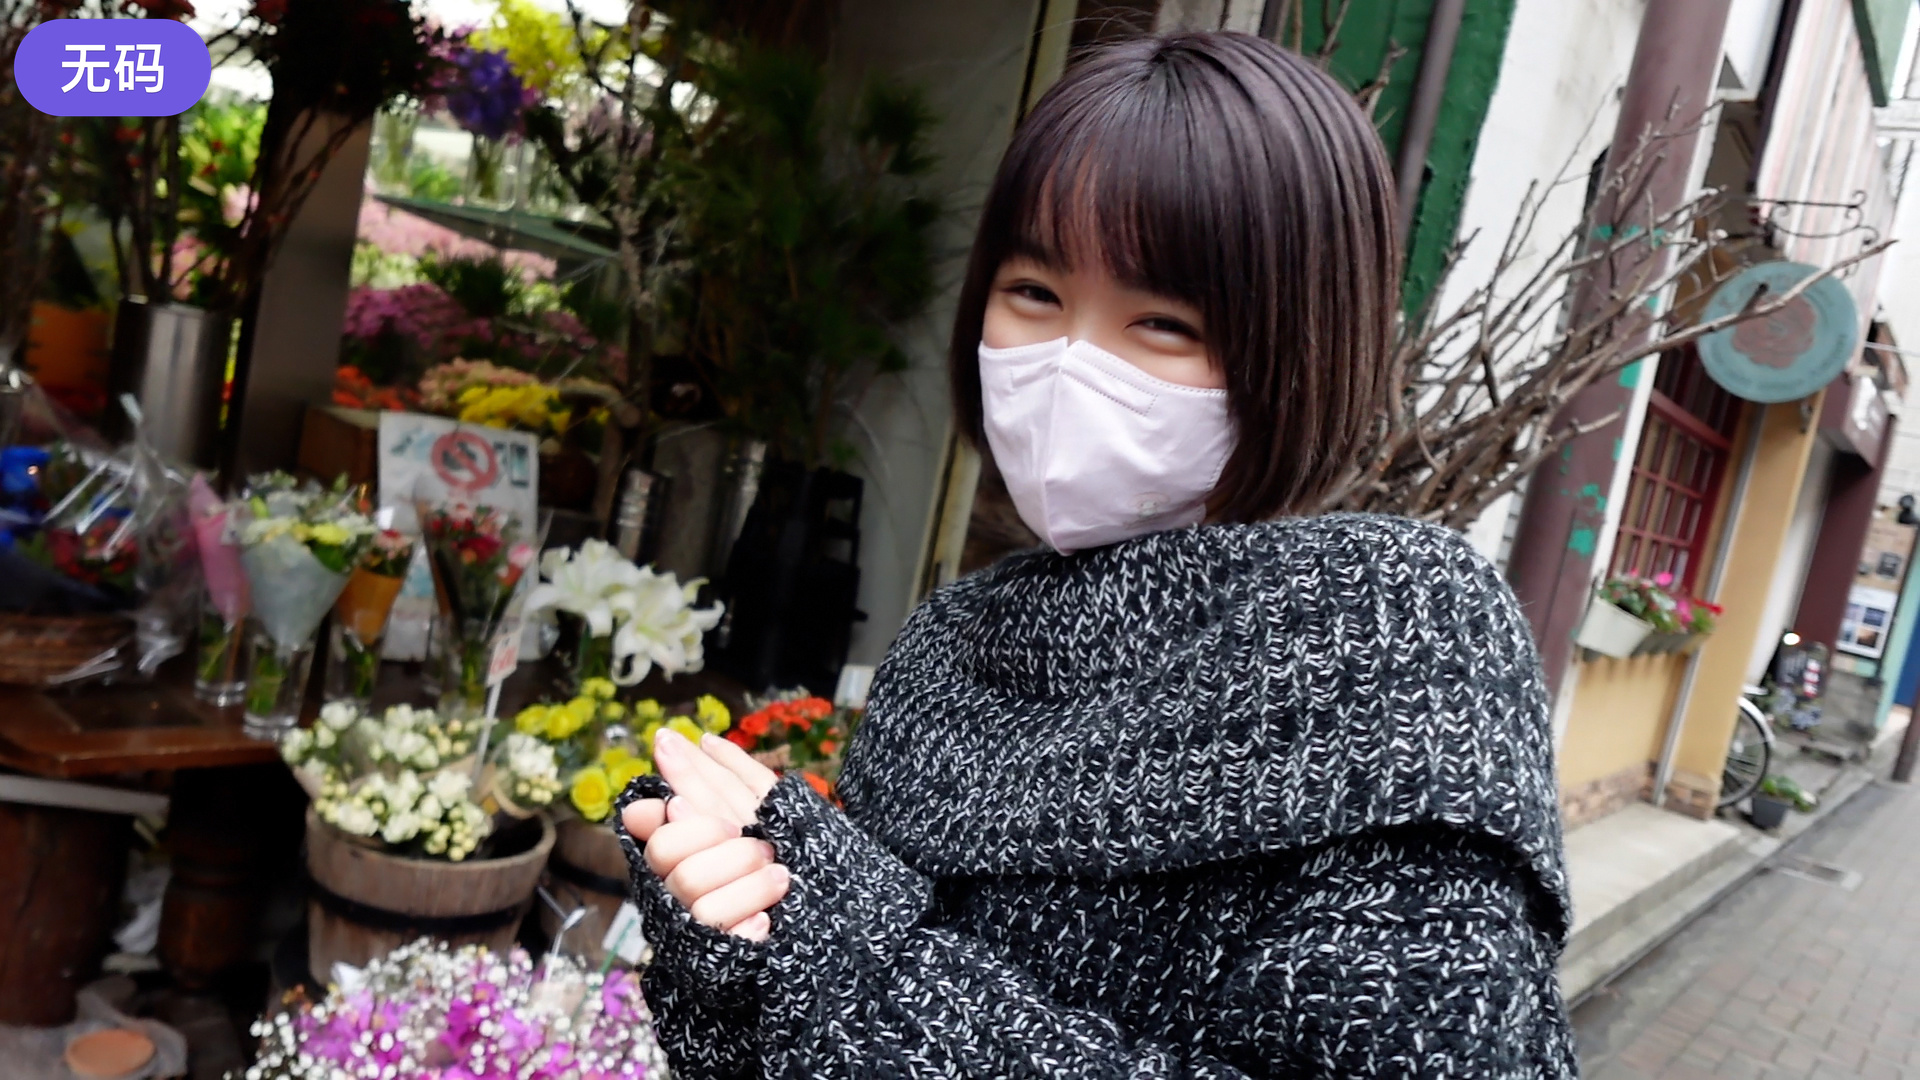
x=464 y=461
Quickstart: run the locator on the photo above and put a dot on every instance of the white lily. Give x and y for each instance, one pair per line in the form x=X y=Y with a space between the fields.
x=659 y=626
x=589 y=583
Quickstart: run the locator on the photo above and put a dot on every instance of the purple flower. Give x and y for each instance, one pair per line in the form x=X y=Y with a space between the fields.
x=483 y=92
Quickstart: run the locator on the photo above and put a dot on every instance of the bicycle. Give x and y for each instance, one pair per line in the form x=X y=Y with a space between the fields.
x=1750 y=753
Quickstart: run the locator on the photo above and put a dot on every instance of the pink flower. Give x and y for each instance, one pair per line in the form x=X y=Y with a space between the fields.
x=1663 y=579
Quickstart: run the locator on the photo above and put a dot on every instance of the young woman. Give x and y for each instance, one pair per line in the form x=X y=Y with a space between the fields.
x=1206 y=788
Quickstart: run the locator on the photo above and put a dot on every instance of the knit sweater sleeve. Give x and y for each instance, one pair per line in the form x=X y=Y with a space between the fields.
x=856 y=983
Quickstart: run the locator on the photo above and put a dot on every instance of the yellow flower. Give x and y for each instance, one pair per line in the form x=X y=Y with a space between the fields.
x=532 y=720
x=597 y=688
x=564 y=720
x=686 y=727
x=624 y=773
x=647 y=733
x=592 y=794
x=713 y=715
x=613 y=712
x=614 y=755
x=648 y=712
x=329 y=534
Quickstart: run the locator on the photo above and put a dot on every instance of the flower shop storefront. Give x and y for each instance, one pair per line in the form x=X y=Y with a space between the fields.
x=588 y=462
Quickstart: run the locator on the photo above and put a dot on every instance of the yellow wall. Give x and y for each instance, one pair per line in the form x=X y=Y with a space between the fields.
x=1778 y=468
x=1620 y=709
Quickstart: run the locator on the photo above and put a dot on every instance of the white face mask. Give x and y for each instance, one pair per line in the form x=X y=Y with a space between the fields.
x=1096 y=451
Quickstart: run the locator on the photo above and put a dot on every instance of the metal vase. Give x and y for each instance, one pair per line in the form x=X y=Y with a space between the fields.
x=173 y=359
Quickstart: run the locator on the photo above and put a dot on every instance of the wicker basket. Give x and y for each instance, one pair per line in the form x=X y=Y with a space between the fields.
x=48 y=650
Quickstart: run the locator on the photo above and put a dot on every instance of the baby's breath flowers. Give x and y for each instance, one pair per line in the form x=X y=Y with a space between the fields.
x=425 y=1012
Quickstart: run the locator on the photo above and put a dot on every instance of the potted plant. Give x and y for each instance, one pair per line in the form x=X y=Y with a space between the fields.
x=1617 y=620
x=1777 y=795
x=420 y=824
x=808 y=243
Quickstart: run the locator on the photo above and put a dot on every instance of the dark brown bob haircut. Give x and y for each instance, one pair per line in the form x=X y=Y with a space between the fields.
x=1226 y=172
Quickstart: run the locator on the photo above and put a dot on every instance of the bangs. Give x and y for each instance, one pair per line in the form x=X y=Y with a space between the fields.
x=1123 y=181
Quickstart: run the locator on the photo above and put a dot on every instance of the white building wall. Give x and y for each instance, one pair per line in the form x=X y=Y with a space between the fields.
x=1552 y=112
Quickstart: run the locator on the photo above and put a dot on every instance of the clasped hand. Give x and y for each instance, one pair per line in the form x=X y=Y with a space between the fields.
x=728 y=881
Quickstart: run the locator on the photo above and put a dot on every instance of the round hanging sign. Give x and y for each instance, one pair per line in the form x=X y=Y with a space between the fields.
x=1790 y=353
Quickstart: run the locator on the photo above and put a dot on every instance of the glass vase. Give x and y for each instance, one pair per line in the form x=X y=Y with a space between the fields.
x=353 y=666
x=590 y=658
x=276 y=684
x=466 y=649
x=219 y=674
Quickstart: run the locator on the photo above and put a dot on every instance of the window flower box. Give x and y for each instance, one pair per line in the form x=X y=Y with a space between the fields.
x=1611 y=631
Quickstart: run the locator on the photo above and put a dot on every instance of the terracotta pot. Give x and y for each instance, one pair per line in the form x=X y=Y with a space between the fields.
x=67 y=349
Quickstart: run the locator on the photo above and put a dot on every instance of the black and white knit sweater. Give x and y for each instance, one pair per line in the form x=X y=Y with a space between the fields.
x=1234 y=801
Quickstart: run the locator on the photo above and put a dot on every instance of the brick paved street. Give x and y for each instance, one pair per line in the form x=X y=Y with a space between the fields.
x=1786 y=977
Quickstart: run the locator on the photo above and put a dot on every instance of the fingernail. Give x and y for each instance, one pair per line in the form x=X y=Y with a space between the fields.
x=767 y=849
x=666 y=744
x=781 y=875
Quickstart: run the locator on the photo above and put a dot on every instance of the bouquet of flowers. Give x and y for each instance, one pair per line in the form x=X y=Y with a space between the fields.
x=795 y=730
x=360 y=617
x=624 y=619
x=600 y=745
x=218 y=675
x=427 y=1012
x=299 y=545
x=416 y=782
x=478 y=556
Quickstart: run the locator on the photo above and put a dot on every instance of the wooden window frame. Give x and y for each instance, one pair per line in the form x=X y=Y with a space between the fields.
x=1637 y=547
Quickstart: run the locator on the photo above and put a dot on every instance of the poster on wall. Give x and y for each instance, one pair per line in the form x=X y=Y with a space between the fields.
x=1869 y=618
x=436 y=460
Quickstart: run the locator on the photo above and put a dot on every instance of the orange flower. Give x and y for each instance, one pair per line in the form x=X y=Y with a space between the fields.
x=740 y=739
x=828 y=746
x=753 y=724
x=820 y=785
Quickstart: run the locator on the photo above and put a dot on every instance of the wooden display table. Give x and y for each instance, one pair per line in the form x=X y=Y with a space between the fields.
x=155 y=737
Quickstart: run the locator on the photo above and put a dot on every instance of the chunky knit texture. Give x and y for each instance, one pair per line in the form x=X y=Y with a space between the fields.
x=1236 y=801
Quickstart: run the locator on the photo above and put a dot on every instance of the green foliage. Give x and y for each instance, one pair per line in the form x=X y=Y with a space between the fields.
x=486 y=287
x=1788 y=789
x=602 y=317
x=429 y=179
x=808 y=244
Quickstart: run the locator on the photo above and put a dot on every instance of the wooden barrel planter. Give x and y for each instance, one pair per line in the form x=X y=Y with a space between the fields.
x=364 y=903
x=588 y=870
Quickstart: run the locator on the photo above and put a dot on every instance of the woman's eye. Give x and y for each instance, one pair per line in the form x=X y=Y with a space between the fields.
x=1163 y=325
x=1039 y=294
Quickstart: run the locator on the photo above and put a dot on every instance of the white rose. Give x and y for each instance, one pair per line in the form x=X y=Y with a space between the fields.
x=339 y=715
x=450 y=787
x=295 y=745
x=315 y=772
x=402 y=717
x=355 y=818
x=429 y=808
x=400 y=828
x=324 y=738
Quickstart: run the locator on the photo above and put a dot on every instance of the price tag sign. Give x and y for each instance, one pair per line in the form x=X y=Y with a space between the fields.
x=623 y=935
x=506 y=651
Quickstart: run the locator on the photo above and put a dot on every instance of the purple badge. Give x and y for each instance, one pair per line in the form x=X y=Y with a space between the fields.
x=112 y=67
